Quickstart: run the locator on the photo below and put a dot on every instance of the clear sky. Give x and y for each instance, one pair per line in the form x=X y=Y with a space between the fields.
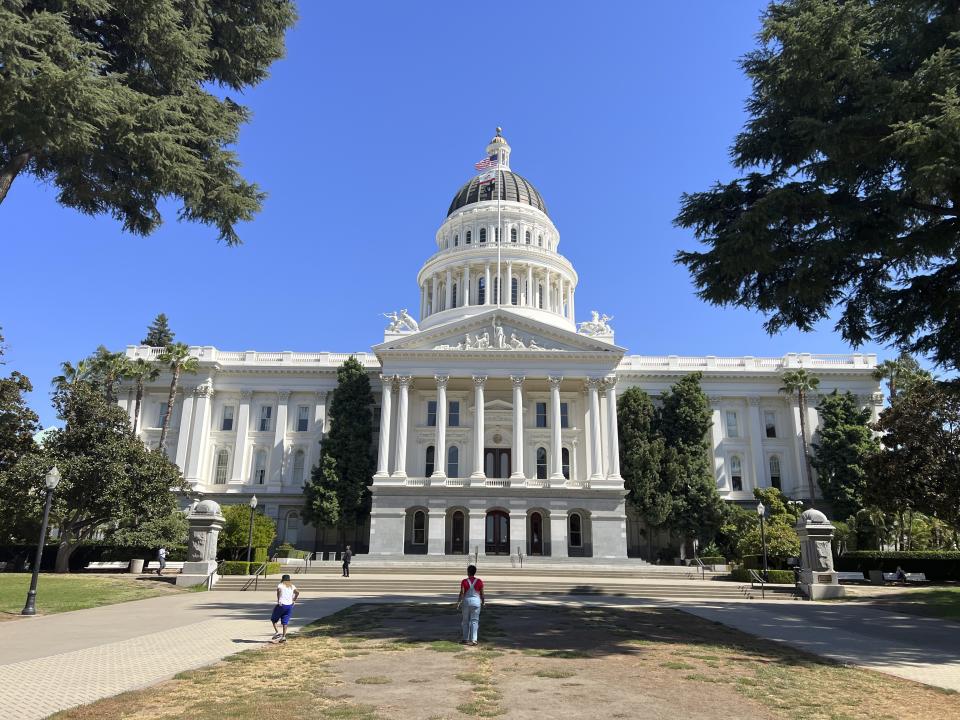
x=361 y=137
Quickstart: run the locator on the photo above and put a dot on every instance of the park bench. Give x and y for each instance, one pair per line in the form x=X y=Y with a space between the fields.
x=101 y=566
x=152 y=566
x=911 y=577
x=850 y=577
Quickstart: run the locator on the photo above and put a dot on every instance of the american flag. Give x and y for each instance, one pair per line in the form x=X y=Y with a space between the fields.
x=486 y=163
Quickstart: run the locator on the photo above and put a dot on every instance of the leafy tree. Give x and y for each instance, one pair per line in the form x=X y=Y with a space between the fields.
x=107 y=369
x=846 y=442
x=899 y=373
x=18 y=425
x=237 y=527
x=849 y=190
x=159 y=333
x=141 y=371
x=349 y=446
x=780 y=528
x=119 y=104
x=110 y=480
x=178 y=360
x=169 y=529
x=641 y=453
x=802 y=383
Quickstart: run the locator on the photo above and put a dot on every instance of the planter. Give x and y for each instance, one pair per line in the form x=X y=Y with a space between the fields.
x=136 y=566
x=876 y=577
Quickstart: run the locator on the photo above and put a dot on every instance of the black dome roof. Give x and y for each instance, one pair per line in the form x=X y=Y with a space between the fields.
x=513 y=187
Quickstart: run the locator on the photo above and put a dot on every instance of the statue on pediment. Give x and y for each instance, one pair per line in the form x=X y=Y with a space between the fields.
x=401 y=322
x=597 y=325
x=516 y=343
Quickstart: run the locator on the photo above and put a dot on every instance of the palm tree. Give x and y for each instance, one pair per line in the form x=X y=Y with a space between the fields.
x=176 y=357
x=801 y=382
x=898 y=372
x=72 y=374
x=142 y=371
x=111 y=368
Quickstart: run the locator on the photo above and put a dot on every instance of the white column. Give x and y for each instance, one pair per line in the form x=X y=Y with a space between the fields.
x=183 y=435
x=799 y=476
x=531 y=293
x=478 y=383
x=435 y=299
x=400 y=463
x=548 y=295
x=440 y=449
x=593 y=385
x=518 y=532
x=756 y=441
x=517 y=381
x=613 y=433
x=240 y=444
x=508 y=297
x=558 y=534
x=574 y=472
x=279 y=438
x=570 y=301
x=319 y=418
x=449 y=290
x=560 y=297
x=202 y=400
x=555 y=441
x=716 y=437
x=486 y=284
x=478 y=533
x=573 y=307
x=386 y=405
x=436 y=531
x=466 y=285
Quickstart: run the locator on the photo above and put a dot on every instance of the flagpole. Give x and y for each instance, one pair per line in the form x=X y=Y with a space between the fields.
x=499 y=234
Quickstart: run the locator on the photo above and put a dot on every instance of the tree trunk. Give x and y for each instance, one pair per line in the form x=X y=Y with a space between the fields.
x=169 y=415
x=136 y=408
x=65 y=549
x=802 y=401
x=9 y=172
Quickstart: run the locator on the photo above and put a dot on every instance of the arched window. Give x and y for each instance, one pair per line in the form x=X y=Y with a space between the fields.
x=469 y=237
x=419 y=528
x=736 y=473
x=540 y=295
x=430 y=461
x=481 y=291
x=453 y=296
x=526 y=236
x=513 y=234
x=220 y=476
x=541 y=463
x=260 y=467
x=453 y=462
x=775 y=480
x=576 y=530
x=299 y=461
x=540 y=240
x=565 y=462
x=483 y=235
x=514 y=291
x=456 y=239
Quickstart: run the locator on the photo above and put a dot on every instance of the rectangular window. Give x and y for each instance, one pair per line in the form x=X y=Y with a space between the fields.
x=733 y=430
x=564 y=415
x=775 y=480
x=736 y=474
x=376 y=418
x=541 y=414
x=266 y=413
x=770 y=422
x=432 y=413
x=303 y=418
x=453 y=414
x=162 y=415
x=227 y=422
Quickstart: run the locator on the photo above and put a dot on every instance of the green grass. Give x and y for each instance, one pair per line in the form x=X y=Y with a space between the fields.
x=60 y=593
x=557 y=674
x=373 y=680
x=941 y=602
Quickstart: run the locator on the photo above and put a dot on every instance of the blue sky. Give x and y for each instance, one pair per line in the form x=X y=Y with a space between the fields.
x=362 y=135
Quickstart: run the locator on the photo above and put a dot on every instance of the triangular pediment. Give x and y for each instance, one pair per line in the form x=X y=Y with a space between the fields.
x=496 y=331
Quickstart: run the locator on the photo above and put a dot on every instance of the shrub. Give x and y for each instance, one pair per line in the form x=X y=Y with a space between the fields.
x=935 y=564
x=775 y=576
x=714 y=560
x=242 y=567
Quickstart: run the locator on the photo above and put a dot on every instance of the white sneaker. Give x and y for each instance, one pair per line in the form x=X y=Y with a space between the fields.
x=277 y=636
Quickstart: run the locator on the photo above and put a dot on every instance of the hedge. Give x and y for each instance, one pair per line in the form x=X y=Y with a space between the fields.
x=785 y=577
x=935 y=564
x=714 y=560
x=18 y=555
x=242 y=567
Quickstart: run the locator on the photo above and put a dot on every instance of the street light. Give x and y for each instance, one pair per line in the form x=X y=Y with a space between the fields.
x=763 y=541
x=253 y=507
x=52 y=480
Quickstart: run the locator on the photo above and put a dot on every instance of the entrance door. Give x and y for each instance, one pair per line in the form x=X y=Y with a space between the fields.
x=458 y=544
x=536 y=534
x=498 y=533
x=496 y=462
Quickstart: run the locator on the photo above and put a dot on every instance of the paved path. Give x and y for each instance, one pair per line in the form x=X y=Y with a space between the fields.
x=916 y=648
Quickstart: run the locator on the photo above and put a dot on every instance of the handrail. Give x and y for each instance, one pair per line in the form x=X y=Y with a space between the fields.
x=256 y=576
x=756 y=577
x=703 y=568
x=216 y=571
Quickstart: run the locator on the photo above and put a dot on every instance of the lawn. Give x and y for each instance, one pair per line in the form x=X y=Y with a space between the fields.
x=936 y=602
x=59 y=593
x=402 y=661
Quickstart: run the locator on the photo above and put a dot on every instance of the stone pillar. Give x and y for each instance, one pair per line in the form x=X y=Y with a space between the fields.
x=531 y=293
x=716 y=436
x=386 y=405
x=608 y=532
x=400 y=461
x=613 y=433
x=560 y=296
x=570 y=300
x=240 y=444
x=449 y=290
x=279 y=439
x=440 y=449
x=518 y=473
x=486 y=285
x=206 y=522
x=202 y=400
x=518 y=532
x=319 y=417
x=573 y=307
x=558 y=534
x=556 y=445
x=478 y=383
x=435 y=296
x=548 y=295
x=478 y=533
x=183 y=435
x=574 y=473
x=593 y=386
x=755 y=424
x=466 y=285
x=509 y=286
x=817 y=576
x=436 y=531
x=386 y=531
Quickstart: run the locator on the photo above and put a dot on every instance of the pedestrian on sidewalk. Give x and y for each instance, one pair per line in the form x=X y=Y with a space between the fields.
x=161 y=559
x=472 y=600
x=287 y=595
x=347 y=557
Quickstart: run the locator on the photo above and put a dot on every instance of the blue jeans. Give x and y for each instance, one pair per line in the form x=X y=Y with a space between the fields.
x=471 y=619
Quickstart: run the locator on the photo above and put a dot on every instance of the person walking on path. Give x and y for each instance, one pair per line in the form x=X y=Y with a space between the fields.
x=472 y=600
x=347 y=557
x=287 y=595
x=161 y=559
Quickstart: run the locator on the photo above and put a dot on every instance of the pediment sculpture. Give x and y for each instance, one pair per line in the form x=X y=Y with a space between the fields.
x=401 y=322
x=496 y=340
x=597 y=325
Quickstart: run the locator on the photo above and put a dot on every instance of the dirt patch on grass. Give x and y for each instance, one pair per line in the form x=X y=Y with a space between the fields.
x=390 y=661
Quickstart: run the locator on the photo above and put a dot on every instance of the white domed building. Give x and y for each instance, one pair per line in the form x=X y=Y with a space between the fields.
x=496 y=410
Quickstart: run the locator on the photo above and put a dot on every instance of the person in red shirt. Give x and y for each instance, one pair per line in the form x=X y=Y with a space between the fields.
x=471 y=600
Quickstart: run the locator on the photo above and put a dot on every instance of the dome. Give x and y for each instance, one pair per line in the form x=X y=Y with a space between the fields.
x=513 y=187
x=813 y=517
x=207 y=507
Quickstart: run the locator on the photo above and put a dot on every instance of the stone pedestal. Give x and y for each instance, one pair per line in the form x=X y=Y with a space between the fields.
x=205 y=522
x=818 y=579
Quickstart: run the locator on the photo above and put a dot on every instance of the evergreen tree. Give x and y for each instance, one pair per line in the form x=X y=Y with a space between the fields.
x=338 y=485
x=848 y=195
x=159 y=333
x=641 y=453
x=121 y=104
x=236 y=529
x=18 y=425
x=899 y=373
x=840 y=457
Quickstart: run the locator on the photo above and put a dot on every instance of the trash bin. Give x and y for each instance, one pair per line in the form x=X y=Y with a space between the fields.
x=136 y=566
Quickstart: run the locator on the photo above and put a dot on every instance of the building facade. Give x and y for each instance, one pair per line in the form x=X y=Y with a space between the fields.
x=496 y=411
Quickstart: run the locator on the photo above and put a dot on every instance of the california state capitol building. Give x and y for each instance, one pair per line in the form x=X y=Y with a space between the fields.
x=495 y=415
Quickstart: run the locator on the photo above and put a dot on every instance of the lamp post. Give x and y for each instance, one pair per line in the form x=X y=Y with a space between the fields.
x=253 y=507
x=52 y=480
x=763 y=540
